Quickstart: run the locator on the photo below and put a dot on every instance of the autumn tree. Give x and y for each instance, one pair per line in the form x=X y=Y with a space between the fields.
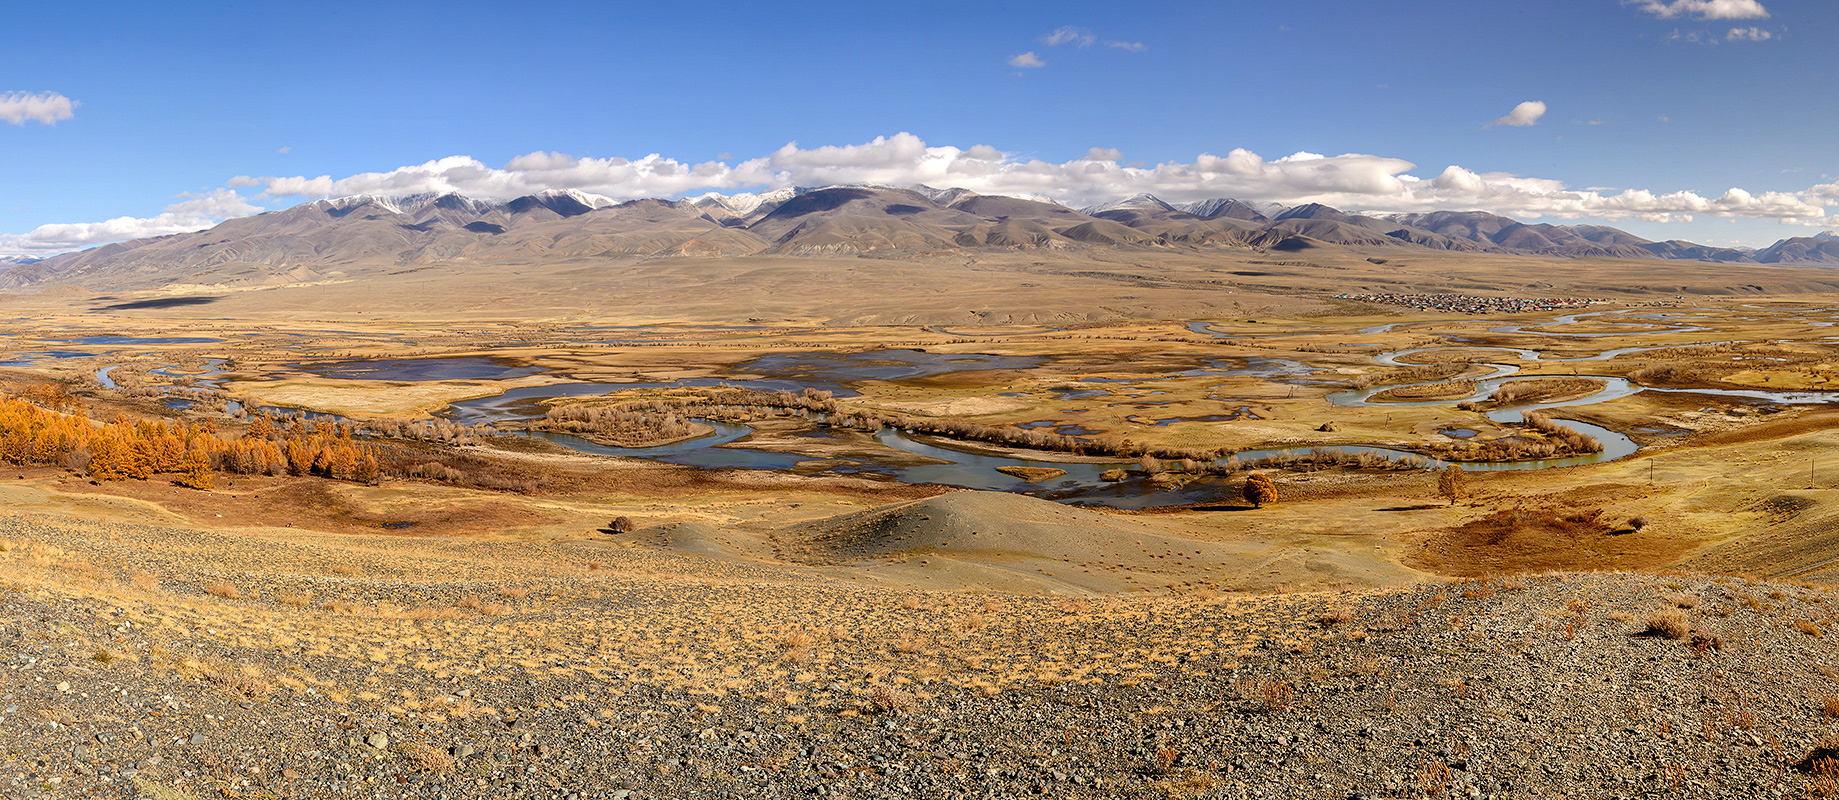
x=1259 y=489
x=195 y=470
x=1453 y=484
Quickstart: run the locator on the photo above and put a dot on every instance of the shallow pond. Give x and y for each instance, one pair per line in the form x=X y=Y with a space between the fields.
x=457 y=368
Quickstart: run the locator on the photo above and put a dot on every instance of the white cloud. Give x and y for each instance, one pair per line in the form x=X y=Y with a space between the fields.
x=284 y=149
x=1705 y=9
x=1749 y=34
x=1351 y=181
x=1522 y=115
x=1028 y=59
x=1068 y=34
x=196 y=212
x=46 y=107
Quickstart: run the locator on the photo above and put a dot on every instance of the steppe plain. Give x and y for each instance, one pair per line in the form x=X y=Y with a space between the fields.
x=1654 y=624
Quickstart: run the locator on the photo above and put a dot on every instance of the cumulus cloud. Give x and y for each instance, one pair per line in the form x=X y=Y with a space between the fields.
x=1028 y=59
x=1705 y=9
x=194 y=213
x=1749 y=34
x=1522 y=115
x=1352 y=181
x=46 y=107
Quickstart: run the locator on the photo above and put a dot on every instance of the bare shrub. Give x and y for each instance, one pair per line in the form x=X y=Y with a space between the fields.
x=1670 y=623
x=426 y=757
x=887 y=698
x=1335 y=616
x=242 y=680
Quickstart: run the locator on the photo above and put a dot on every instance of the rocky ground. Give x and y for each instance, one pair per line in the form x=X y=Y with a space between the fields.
x=143 y=661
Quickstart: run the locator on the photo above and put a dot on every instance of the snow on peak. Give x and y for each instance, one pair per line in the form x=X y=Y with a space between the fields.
x=943 y=197
x=1135 y=202
x=1831 y=236
x=744 y=203
x=594 y=201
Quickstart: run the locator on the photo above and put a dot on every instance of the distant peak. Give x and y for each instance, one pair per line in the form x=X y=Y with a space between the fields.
x=1135 y=202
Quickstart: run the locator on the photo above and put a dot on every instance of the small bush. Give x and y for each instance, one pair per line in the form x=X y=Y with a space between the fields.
x=224 y=590
x=1670 y=623
x=887 y=698
x=1829 y=706
x=426 y=757
x=1333 y=617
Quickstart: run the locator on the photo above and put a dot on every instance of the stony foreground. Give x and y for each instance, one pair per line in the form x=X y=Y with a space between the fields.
x=142 y=661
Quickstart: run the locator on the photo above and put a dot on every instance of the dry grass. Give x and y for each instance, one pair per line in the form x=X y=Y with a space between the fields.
x=1808 y=627
x=244 y=680
x=144 y=581
x=1681 y=599
x=1335 y=616
x=1278 y=695
x=1829 y=706
x=889 y=699
x=1670 y=623
x=346 y=569
x=228 y=591
x=514 y=592
x=426 y=758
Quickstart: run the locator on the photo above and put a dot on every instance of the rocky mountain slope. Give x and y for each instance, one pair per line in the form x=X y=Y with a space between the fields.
x=168 y=662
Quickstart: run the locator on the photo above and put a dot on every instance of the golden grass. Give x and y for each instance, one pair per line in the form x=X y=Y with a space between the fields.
x=223 y=589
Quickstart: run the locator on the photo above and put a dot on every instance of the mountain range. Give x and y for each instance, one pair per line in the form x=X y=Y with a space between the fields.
x=352 y=236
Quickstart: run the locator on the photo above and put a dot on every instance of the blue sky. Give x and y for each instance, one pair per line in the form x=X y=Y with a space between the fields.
x=181 y=115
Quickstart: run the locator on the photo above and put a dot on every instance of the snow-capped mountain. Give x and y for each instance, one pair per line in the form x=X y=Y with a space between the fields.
x=745 y=203
x=1135 y=202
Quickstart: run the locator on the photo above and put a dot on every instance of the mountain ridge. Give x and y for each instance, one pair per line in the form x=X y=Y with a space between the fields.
x=350 y=236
